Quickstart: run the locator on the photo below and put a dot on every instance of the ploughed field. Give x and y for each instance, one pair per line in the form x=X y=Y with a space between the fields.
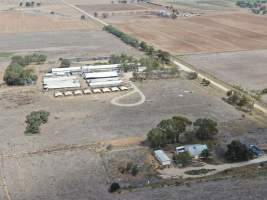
x=247 y=69
x=18 y=22
x=225 y=31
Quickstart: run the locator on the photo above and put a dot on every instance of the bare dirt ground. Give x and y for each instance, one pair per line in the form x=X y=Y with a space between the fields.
x=89 y=119
x=247 y=68
x=46 y=166
x=19 y=22
x=74 y=42
x=219 y=32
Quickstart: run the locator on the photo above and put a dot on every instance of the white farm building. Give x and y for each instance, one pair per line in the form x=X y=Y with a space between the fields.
x=162 y=157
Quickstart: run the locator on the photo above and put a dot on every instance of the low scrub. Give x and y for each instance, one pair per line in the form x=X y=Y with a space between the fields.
x=199 y=171
x=34 y=121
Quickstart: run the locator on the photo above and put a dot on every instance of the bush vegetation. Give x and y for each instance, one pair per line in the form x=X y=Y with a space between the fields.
x=171 y=131
x=240 y=99
x=237 y=152
x=17 y=74
x=65 y=63
x=192 y=75
x=34 y=121
x=182 y=159
x=114 y=187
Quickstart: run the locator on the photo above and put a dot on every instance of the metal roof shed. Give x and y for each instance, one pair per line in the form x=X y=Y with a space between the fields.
x=106 y=84
x=94 y=75
x=162 y=157
x=100 y=67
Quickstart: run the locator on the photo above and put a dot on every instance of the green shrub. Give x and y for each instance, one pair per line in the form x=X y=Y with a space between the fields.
x=34 y=121
x=182 y=159
x=114 y=187
x=65 y=63
x=134 y=170
x=192 y=75
x=15 y=74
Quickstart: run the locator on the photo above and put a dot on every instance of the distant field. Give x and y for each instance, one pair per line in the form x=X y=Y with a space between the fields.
x=201 y=4
x=201 y=34
x=110 y=7
x=247 y=69
x=78 y=41
x=17 y=22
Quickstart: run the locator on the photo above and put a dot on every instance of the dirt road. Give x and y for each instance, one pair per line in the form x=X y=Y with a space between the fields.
x=180 y=172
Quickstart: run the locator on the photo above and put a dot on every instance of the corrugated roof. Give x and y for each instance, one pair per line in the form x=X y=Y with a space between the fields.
x=94 y=75
x=66 y=69
x=106 y=84
x=100 y=67
x=161 y=155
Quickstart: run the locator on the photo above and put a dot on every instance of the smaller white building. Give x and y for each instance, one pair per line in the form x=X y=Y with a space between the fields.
x=194 y=150
x=162 y=157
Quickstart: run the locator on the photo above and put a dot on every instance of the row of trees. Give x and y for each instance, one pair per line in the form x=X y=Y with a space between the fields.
x=17 y=74
x=162 y=56
x=182 y=130
x=30 y=4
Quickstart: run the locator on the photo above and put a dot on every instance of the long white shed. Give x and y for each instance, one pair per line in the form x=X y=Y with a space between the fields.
x=106 y=84
x=95 y=75
x=61 y=82
x=91 y=68
x=162 y=157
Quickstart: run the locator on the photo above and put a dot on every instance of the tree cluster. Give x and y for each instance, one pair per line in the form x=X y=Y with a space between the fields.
x=17 y=74
x=237 y=152
x=176 y=129
x=240 y=100
x=34 y=121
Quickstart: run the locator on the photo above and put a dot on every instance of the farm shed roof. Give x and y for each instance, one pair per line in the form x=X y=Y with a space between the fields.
x=106 y=84
x=161 y=156
x=95 y=75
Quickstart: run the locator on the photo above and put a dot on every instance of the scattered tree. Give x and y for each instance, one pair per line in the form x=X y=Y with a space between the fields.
x=82 y=17
x=65 y=63
x=205 y=128
x=114 y=187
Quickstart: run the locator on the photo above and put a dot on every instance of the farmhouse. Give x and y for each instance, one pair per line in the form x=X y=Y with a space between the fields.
x=194 y=150
x=162 y=157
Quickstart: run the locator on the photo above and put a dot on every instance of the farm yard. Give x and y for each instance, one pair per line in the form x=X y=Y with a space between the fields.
x=246 y=68
x=87 y=140
x=65 y=153
x=201 y=34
